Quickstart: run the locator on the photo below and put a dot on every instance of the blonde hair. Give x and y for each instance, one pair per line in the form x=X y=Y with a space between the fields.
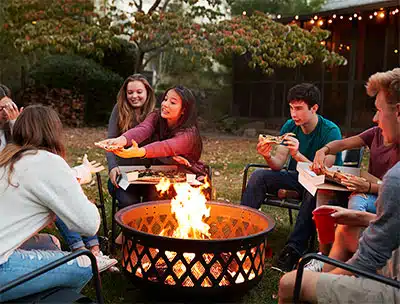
x=126 y=117
x=389 y=82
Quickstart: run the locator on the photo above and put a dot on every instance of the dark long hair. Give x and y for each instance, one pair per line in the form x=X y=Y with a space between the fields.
x=189 y=117
x=36 y=128
x=187 y=121
x=126 y=117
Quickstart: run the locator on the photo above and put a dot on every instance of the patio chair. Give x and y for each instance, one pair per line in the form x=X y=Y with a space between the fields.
x=290 y=199
x=114 y=206
x=58 y=294
x=101 y=205
x=308 y=257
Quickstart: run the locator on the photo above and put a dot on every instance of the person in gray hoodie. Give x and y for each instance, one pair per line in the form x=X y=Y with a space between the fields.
x=370 y=242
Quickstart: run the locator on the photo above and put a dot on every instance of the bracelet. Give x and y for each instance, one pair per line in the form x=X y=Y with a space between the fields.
x=329 y=149
x=369 y=188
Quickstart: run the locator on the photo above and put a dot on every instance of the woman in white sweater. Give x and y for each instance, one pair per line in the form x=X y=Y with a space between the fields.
x=36 y=184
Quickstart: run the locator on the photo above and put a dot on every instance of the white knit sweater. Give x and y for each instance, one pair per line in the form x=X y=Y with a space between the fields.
x=46 y=186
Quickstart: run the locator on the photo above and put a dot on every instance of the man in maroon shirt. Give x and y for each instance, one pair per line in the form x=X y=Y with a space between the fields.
x=383 y=156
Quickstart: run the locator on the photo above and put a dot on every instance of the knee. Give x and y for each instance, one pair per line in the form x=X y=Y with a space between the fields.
x=258 y=177
x=286 y=286
x=356 y=202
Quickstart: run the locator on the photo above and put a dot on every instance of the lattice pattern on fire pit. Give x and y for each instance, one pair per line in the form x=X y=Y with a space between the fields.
x=190 y=269
x=233 y=255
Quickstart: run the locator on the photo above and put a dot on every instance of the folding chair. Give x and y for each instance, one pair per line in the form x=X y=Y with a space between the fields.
x=290 y=199
x=55 y=295
x=308 y=257
x=101 y=205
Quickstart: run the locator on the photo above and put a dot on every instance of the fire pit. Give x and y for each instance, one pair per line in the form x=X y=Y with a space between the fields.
x=229 y=259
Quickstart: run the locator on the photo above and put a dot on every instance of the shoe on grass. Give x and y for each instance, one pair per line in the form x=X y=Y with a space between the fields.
x=104 y=262
x=287 y=259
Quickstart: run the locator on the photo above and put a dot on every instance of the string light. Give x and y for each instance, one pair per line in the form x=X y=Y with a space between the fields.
x=320 y=20
x=323 y=42
x=244 y=13
x=396 y=51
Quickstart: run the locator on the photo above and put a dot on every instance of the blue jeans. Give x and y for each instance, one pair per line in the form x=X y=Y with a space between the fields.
x=74 y=239
x=264 y=181
x=134 y=194
x=75 y=274
x=363 y=202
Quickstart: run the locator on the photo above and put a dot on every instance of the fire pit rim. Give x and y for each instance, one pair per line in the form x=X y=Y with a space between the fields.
x=270 y=220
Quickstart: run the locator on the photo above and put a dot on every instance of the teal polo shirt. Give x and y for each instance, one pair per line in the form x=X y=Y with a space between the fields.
x=325 y=132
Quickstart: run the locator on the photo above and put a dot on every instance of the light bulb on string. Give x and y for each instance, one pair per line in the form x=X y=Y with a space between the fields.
x=334 y=16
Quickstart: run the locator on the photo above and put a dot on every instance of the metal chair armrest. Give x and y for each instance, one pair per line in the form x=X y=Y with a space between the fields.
x=246 y=171
x=308 y=257
x=59 y=262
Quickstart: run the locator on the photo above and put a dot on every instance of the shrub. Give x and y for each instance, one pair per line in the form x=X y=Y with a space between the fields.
x=98 y=85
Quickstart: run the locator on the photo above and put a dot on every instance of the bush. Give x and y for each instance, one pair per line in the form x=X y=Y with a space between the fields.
x=98 y=85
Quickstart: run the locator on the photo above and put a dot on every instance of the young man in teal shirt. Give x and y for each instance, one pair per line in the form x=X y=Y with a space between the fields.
x=312 y=133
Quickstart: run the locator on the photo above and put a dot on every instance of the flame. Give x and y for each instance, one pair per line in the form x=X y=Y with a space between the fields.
x=190 y=209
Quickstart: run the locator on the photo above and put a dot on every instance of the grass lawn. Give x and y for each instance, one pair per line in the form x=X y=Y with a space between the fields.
x=227 y=156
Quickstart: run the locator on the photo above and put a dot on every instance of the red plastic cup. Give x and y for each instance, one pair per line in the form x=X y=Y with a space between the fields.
x=325 y=224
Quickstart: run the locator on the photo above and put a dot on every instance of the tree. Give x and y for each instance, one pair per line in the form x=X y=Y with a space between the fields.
x=167 y=25
x=61 y=26
x=283 y=7
x=269 y=44
x=65 y=25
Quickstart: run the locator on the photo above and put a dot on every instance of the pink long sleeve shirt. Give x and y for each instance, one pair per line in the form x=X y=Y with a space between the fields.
x=184 y=143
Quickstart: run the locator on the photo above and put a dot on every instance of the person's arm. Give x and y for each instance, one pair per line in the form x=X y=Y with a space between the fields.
x=275 y=155
x=337 y=146
x=382 y=235
x=142 y=131
x=182 y=143
x=57 y=188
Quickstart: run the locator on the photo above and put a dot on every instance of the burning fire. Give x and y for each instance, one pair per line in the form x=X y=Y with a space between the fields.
x=190 y=210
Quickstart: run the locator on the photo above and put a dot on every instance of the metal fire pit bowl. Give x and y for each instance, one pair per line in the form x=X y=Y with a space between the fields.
x=231 y=262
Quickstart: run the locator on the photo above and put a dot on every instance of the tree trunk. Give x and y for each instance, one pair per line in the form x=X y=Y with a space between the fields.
x=139 y=62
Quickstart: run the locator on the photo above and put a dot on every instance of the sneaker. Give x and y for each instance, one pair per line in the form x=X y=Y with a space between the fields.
x=314 y=265
x=287 y=259
x=104 y=262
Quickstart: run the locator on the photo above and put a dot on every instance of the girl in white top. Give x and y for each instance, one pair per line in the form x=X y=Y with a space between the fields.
x=36 y=184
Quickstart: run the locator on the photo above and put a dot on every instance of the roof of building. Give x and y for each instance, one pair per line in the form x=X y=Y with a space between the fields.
x=342 y=4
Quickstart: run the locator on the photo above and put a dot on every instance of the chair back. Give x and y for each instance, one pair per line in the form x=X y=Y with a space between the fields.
x=353 y=158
